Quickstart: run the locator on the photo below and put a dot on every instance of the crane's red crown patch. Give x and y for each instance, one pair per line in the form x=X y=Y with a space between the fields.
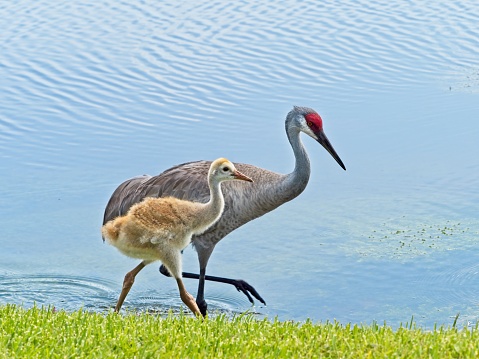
x=314 y=121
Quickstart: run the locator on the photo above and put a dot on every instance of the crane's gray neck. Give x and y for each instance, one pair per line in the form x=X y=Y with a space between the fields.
x=295 y=182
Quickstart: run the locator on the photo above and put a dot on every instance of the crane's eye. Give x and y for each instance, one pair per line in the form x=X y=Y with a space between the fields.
x=310 y=124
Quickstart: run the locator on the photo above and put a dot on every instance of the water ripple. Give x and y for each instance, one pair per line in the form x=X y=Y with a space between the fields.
x=453 y=284
x=154 y=300
x=211 y=56
x=61 y=291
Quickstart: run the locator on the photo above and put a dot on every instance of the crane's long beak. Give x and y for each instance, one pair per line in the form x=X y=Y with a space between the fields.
x=238 y=175
x=323 y=140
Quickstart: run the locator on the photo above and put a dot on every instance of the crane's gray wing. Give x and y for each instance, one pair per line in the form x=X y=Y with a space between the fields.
x=186 y=181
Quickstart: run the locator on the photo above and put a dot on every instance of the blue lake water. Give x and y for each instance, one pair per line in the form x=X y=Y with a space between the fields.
x=94 y=93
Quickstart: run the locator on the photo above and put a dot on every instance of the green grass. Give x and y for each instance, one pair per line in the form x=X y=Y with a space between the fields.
x=45 y=333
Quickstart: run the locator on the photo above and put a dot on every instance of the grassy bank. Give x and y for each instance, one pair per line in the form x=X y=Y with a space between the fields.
x=44 y=333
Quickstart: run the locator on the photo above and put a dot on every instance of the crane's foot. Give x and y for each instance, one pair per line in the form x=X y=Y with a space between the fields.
x=246 y=289
x=240 y=285
x=202 y=305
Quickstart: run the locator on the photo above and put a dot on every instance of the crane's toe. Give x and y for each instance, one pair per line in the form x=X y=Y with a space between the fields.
x=246 y=289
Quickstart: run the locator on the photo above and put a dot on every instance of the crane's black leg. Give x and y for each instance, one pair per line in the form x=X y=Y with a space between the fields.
x=200 y=296
x=240 y=285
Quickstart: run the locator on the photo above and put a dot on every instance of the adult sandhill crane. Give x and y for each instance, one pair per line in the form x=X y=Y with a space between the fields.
x=159 y=228
x=242 y=203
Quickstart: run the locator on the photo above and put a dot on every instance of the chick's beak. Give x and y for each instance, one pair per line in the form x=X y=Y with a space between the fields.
x=238 y=175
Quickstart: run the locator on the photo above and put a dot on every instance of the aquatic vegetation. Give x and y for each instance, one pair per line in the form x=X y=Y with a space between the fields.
x=402 y=238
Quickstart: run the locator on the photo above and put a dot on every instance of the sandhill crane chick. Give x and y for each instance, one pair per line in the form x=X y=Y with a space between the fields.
x=157 y=229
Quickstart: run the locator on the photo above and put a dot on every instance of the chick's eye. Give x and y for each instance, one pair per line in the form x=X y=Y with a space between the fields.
x=226 y=169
